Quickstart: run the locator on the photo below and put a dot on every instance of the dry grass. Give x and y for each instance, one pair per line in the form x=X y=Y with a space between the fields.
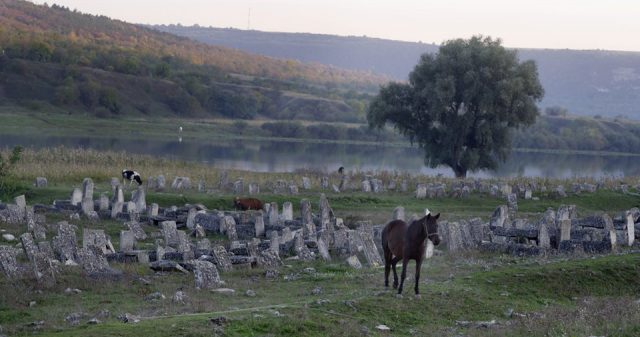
x=62 y=164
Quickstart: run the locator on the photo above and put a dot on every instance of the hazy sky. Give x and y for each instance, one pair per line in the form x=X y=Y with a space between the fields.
x=574 y=24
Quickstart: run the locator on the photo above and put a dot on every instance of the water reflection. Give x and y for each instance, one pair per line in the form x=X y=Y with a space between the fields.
x=288 y=156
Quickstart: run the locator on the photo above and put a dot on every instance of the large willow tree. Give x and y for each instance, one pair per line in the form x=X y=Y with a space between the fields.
x=461 y=103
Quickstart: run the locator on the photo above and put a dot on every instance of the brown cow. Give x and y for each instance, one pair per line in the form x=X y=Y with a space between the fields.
x=244 y=204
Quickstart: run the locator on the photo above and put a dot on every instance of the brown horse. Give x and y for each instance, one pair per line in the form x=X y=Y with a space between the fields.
x=402 y=242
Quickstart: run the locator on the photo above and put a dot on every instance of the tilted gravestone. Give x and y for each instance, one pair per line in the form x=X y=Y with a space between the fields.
x=205 y=275
x=221 y=258
x=8 y=263
x=29 y=246
x=228 y=226
x=499 y=217
x=136 y=228
x=96 y=238
x=323 y=250
x=65 y=243
x=92 y=262
x=369 y=249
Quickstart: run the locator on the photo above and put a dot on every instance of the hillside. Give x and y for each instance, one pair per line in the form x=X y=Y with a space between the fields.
x=589 y=82
x=65 y=60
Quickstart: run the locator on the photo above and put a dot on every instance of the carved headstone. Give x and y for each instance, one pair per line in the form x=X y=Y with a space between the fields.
x=191 y=218
x=127 y=241
x=170 y=233
x=565 y=229
x=254 y=189
x=136 y=228
x=153 y=209
x=500 y=216
x=324 y=182
x=87 y=188
x=306 y=183
x=65 y=243
x=325 y=212
x=273 y=214
x=140 y=199
x=41 y=182
x=305 y=212
x=116 y=209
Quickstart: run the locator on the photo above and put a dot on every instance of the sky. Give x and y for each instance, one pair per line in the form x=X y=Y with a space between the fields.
x=572 y=24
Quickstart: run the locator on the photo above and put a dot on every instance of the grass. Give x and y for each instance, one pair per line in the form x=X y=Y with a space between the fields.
x=461 y=288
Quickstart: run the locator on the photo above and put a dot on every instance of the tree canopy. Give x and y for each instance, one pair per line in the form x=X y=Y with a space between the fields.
x=460 y=104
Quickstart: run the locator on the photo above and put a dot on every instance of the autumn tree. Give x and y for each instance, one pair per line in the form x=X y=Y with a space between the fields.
x=460 y=104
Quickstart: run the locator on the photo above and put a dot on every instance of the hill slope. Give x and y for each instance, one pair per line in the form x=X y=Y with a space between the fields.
x=589 y=82
x=79 y=62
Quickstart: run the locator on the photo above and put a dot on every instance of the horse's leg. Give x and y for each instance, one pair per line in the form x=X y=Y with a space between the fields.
x=405 y=261
x=395 y=275
x=387 y=266
x=418 y=266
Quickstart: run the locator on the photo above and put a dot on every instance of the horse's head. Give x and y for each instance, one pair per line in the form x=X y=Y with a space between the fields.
x=430 y=225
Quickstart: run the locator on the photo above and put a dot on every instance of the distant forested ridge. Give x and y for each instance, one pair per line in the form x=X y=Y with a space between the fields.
x=52 y=57
x=586 y=82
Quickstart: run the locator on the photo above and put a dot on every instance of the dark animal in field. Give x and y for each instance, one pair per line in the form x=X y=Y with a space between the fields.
x=131 y=175
x=407 y=242
x=245 y=204
x=341 y=170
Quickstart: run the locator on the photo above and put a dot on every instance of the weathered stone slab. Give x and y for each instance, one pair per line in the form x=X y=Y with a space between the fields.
x=301 y=248
x=512 y=204
x=324 y=182
x=136 y=229
x=170 y=233
x=127 y=241
x=630 y=228
x=205 y=275
x=8 y=263
x=544 y=239
x=305 y=212
x=370 y=250
x=398 y=213
x=421 y=191
x=76 y=197
x=29 y=246
x=323 y=250
x=180 y=183
x=91 y=262
x=96 y=238
x=499 y=217
x=41 y=182
x=565 y=230
x=184 y=244
x=273 y=214
x=210 y=222
x=258 y=221
x=139 y=198
x=228 y=227
x=191 y=218
x=325 y=211
x=87 y=205
x=306 y=183
x=103 y=204
x=116 y=209
x=87 y=188
x=354 y=262
x=254 y=189
x=221 y=258
x=65 y=243
x=287 y=211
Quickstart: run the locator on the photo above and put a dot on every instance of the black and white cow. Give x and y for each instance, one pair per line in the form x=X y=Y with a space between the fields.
x=131 y=176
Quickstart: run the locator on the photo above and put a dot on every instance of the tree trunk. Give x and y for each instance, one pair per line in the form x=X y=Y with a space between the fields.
x=460 y=172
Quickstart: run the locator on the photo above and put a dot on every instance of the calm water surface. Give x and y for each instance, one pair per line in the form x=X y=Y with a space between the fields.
x=278 y=156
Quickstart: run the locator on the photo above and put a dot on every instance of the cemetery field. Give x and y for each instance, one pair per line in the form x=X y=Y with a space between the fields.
x=465 y=294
